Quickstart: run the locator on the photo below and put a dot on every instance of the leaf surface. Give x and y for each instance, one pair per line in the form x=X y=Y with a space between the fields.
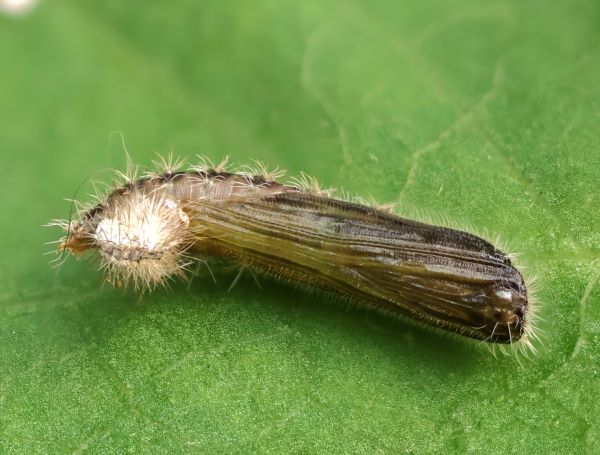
x=484 y=115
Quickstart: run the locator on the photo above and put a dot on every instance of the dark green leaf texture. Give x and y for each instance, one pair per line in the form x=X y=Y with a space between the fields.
x=485 y=113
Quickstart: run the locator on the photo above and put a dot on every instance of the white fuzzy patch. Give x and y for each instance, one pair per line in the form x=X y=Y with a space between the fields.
x=141 y=239
x=142 y=226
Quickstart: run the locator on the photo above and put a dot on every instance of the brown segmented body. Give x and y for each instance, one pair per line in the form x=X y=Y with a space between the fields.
x=441 y=276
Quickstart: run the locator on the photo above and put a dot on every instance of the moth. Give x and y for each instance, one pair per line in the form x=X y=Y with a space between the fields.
x=150 y=229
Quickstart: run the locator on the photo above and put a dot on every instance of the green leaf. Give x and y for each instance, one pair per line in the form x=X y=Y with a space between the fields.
x=483 y=113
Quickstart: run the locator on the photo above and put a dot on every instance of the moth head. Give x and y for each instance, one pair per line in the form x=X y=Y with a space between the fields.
x=141 y=237
x=509 y=305
x=500 y=310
